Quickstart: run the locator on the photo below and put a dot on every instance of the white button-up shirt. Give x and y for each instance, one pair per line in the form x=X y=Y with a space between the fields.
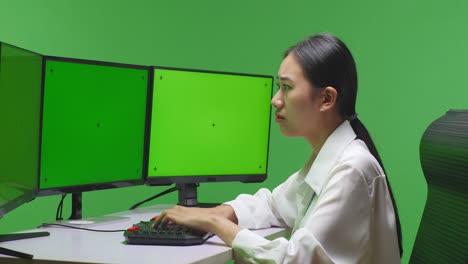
x=338 y=206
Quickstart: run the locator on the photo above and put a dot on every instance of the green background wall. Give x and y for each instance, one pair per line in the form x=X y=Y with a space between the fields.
x=411 y=57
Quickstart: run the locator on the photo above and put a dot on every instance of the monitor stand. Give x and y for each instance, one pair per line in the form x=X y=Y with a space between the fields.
x=76 y=214
x=188 y=196
x=11 y=237
x=77 y=205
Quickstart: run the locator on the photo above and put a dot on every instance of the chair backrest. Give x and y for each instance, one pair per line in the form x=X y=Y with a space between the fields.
x=443 y=233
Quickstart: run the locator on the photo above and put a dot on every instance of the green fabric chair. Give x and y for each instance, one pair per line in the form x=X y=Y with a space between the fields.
x=443 y=233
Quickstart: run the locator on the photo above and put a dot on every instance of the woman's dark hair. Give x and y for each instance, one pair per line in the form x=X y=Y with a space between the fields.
x=326 y=61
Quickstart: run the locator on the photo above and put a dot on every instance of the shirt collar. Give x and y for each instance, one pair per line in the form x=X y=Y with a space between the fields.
x=319 y=172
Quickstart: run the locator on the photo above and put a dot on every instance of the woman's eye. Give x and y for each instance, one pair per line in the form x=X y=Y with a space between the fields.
x=283 y=87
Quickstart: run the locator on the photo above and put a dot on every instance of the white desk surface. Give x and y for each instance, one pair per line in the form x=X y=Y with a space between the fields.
x=66 y=244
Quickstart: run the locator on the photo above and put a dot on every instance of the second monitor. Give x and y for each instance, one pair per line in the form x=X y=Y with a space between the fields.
x=93 y=126
x=207 y=127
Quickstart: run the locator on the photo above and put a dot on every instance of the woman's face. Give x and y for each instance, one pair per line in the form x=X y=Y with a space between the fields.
x=297 y=104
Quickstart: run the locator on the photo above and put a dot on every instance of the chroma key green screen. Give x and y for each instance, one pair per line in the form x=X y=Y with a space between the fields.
x=208 y=126
x=93 y=125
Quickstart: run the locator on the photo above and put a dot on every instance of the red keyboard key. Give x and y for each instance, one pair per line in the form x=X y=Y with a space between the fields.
x=133 y=228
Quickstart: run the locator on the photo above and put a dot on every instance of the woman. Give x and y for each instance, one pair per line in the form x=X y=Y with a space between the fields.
x=339 y=205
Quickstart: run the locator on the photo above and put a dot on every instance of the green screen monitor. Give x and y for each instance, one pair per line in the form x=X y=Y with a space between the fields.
x=207 y=127
x=93 y=125
x=20 y=116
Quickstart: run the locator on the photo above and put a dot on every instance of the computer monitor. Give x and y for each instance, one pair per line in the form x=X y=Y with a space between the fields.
x=20 y=115
x=207 y=126
x=93 y=126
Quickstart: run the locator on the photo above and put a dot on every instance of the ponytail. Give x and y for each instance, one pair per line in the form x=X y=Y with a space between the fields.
x=364 y=135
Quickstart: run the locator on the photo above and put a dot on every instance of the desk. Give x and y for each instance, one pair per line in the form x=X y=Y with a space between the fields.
x=81 y=246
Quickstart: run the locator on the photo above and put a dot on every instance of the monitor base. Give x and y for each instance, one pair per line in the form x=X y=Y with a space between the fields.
x=207 y=205
x=92 y=220
x=12 y=253
x=18 y=236
x=188 y=196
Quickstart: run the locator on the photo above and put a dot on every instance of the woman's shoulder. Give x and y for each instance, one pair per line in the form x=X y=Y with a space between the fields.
x=357 y=156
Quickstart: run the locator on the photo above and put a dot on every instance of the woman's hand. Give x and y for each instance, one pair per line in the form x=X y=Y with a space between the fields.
x=203 y=219
x=193 y=217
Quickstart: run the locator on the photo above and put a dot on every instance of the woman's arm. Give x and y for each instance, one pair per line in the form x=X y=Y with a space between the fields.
x=248 y=211
x=225 y=211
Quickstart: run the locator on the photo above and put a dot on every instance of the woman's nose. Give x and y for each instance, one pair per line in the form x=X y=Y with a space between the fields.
x=277 y=101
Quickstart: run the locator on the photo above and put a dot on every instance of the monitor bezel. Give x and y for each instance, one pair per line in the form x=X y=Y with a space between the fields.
x=100 y=185
x=189 y=179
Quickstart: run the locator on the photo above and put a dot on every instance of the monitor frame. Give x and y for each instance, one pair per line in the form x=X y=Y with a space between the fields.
x=76 y=190
x=187 y=184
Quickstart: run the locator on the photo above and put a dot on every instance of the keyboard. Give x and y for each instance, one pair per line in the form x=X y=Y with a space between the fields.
x=172 y=235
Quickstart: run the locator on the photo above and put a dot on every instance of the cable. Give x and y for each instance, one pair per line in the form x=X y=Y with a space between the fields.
x=81 y=228
x=154 y=197
x=58 y=215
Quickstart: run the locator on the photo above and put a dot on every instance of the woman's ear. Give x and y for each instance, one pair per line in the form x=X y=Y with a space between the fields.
x=329 y=96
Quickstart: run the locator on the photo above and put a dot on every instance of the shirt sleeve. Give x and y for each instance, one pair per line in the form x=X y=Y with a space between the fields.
x=265 y=209
x=336 y=230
